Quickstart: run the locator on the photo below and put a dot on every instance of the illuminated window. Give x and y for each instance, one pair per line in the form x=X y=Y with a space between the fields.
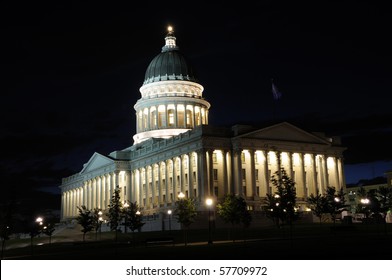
x=181 y=115
x=189 y=119
x=214 y=158
x=243 y=157
x=171 y=117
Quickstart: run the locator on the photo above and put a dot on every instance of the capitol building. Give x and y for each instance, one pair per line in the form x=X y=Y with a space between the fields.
x=175 y=150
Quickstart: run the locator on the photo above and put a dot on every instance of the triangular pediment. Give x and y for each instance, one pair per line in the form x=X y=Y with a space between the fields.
x=95 y=162
x=285 y=132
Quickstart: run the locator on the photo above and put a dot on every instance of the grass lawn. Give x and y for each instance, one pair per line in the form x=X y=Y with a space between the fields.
x=304 y=241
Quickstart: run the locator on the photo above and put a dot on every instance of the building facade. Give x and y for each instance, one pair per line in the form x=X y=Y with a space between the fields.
x=176 y=150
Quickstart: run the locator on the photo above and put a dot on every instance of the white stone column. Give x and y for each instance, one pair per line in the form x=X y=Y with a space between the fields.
x=156 y=118
x=202 y=178
x=141 y=189
x=127 y=183
x=189 y=182
x=132 y=189
x=153 y=187
x=327 y=183
x=226 y=187
x=160 y=186
x=167 y=196
x=194 y=117
x=182 y=173
x=266 y=178
x=290 y=164
x=315 y=188
x=176 y=115
x=303 y=175
x=341 y=173
x=253 y=173
x=148 y=205
x=210 y=173
x=174 y=185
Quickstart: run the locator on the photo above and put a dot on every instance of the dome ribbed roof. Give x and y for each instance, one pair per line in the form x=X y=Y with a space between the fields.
x=170 y=64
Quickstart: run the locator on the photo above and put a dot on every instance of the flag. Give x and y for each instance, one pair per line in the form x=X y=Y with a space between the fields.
x=275 y=92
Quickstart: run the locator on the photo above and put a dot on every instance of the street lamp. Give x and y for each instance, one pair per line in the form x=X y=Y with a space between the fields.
x=365 y=202
x=181 y=195
x=209 y=203
x=126 y=205
x=39 y=221
x=169 y=212
x=100 y=221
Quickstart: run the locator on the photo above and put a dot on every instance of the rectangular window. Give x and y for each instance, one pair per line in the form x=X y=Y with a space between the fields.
x=214 y=158
x=216 y=191
x=216 y=174
x=243 y=157
x=257 y=174
x=243 y=174
x=244 y=190
x=258 y=191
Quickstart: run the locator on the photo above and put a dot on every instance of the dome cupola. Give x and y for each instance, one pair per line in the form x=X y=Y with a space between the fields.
x=170 y=64
x=171 y=101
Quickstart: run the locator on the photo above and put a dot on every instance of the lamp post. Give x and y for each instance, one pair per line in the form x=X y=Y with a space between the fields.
x=365 y=202
x=181 y=195
x=100 y=220
x=169 y=212
x=39 y=221
x=126 y=205
x=209 y=203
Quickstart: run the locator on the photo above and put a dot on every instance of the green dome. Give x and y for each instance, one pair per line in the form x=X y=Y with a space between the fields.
x=170 y=64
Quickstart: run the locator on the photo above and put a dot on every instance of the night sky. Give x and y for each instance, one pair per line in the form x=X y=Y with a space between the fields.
x=71 y=74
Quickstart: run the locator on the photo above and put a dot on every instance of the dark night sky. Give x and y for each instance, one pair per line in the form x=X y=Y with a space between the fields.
x=71 y=73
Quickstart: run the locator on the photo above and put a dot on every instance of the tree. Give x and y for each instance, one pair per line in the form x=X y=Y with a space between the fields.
x=115 y=209
x=281 y=206
x=97 y=220
x=186 y=213
x=133 y=218
x=48 y=231
x=363 y=202
x=317 y=203
x=384 y=196
x=6 y=217
x=335 y=202
x=85 y=219
x=233 y=209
